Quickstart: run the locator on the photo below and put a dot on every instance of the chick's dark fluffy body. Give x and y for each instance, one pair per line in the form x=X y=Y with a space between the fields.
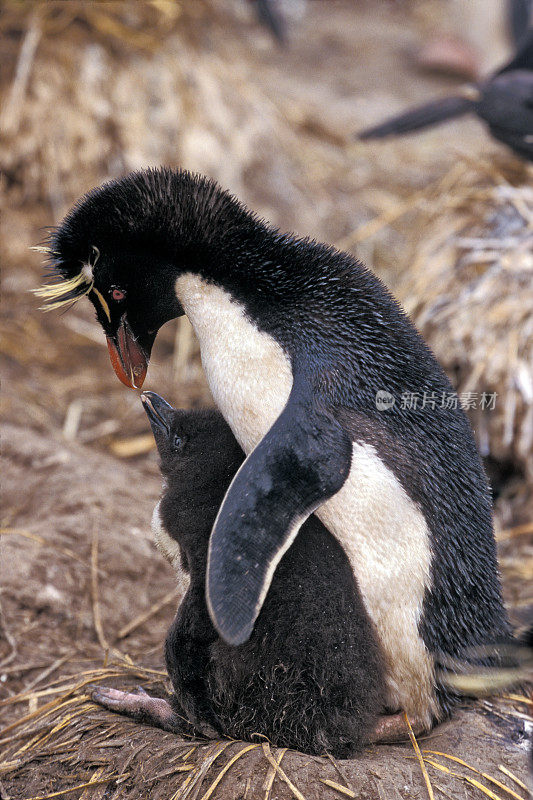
x=345 y=336
x=311 y=675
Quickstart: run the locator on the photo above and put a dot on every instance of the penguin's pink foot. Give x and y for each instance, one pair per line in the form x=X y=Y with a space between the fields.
x=140 y=707
x=154 y=711
x=393 y=728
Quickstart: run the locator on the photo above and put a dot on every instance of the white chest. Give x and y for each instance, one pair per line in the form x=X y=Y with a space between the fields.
x=386 y=539
x=249 y=374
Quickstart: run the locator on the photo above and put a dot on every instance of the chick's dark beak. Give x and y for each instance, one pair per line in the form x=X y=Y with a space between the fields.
x=128 y=359
x=159 y=413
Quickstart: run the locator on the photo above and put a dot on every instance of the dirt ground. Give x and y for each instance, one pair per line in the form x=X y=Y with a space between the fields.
x=84 y=594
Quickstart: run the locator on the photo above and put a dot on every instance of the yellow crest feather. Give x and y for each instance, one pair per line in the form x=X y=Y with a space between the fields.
x=69 y=290
x=40 y=249
x=56 y=295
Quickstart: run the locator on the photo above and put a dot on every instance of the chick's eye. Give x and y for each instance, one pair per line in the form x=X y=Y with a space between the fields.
x=178 y=442
x=118 y=294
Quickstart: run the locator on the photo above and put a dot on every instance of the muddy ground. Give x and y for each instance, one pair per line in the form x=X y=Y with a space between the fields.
x=80 y=479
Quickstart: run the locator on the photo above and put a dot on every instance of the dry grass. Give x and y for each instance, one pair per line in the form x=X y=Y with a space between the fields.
x=469 y=288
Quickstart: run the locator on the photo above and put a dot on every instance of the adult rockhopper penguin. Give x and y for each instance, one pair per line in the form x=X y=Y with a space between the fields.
x=296 y=341
x=310 y=677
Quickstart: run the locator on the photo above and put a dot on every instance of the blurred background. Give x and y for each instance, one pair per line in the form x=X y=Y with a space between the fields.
x=269 y=107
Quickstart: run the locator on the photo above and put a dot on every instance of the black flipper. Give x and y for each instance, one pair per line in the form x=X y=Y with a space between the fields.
x=302 y=461
x=421 y=117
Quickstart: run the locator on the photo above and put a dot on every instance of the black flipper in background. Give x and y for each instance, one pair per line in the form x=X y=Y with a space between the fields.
x=421 y=117
x=504 y=102
x=302 y=461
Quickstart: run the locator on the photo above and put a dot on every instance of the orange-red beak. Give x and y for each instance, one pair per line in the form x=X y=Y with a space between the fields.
x=127 y=357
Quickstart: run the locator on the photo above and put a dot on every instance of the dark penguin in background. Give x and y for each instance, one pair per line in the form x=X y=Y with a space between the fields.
x=310 y=677
x=504 y=102
x=297 y=341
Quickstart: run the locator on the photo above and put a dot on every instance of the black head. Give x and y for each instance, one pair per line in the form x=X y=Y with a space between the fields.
x=124 y=244
x=196 y=448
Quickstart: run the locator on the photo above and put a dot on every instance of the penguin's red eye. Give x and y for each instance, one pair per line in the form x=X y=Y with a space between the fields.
x=118 y=294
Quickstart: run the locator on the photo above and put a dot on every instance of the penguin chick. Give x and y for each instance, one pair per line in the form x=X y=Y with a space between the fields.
x=298 y=343
x=504 y=102
x=311 y=675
